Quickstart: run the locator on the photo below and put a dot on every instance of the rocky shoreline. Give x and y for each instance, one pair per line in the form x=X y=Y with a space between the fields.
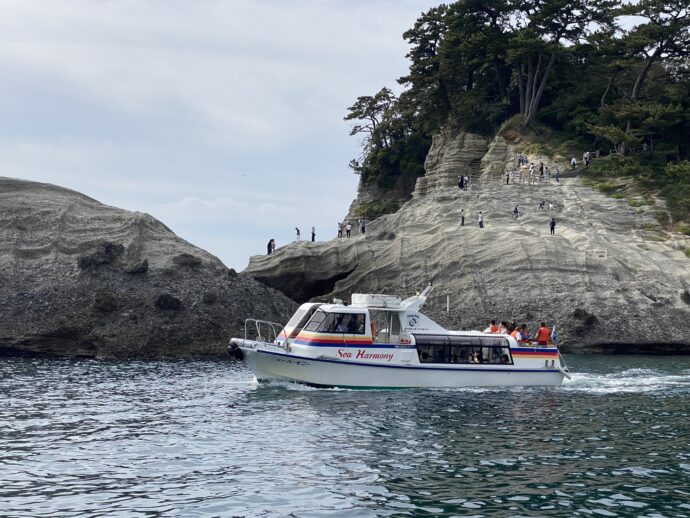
x=79 y=278
x=611 y=279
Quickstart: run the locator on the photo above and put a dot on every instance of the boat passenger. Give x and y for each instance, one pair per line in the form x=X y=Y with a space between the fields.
x=524 y=333
x=505 y=359
x=493 y=328
x=543 y=334
x=503 y=328
x=340 y=326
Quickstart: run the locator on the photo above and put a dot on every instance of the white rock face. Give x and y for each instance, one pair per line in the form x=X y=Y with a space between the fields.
x=610 y=278
x=81 y=278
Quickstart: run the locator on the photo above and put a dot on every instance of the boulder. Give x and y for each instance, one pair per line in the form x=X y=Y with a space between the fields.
x=80 y=278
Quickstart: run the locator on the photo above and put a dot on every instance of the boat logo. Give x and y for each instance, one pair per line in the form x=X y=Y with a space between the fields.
x=412 y=320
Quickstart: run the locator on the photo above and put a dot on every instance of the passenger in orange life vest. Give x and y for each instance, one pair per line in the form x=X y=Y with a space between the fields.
x=515 y=333
x=493 y=328
x=543 y=334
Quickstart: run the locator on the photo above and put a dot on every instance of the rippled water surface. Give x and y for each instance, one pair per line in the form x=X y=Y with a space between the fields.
x=200 y=438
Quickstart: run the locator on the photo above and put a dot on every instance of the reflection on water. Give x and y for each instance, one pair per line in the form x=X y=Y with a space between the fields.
x=200 y=438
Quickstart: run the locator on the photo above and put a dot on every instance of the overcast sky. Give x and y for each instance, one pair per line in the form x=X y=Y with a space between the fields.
x=223 y=119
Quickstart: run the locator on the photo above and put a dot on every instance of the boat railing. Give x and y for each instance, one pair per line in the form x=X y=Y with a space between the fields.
x=261 y=330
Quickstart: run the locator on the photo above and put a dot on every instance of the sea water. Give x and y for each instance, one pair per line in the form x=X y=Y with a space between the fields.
x=200 y=438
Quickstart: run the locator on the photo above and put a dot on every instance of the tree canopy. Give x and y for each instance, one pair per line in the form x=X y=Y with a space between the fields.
x=616 y=77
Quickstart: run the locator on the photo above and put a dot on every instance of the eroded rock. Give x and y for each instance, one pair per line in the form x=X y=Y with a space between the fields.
x=611 y=260
x=80 y=278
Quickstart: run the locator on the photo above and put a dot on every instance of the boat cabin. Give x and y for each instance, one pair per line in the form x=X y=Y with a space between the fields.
x=376 y=320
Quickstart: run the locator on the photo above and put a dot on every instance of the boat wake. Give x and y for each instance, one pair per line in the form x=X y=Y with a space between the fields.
x=636 y=380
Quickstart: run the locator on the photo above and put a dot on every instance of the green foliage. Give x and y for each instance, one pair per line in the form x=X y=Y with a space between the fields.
x=373 y=210
x=568 y=71
x=686 y=251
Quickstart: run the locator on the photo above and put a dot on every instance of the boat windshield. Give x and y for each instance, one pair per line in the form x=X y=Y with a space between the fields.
x=294 y=326
x=348 y=323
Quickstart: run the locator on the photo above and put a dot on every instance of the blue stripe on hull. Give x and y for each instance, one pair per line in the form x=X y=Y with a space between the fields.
x=413 y=367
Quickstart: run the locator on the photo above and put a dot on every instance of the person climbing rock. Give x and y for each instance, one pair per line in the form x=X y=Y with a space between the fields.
x=552 y=226
x=298 y=237
x=462 y=217
x=481 y=219
x=516 y=212
x=313 y=234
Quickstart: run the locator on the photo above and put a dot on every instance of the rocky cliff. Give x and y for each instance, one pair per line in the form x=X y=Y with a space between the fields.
x=611 y=278
x=81 y=278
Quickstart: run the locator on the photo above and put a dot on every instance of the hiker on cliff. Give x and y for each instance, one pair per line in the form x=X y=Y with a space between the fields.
x=558 y=174
x=313 y=234
x=547 y=171
x=298 y=238
x=461 y=183
x=269 y=247
x=340 y=229
x=573 y=163
x=362 y=226
x=467 y=182
x=481 y=219
x=541 y=205
x=507 y=177
x=516 y=212
x=462 y=217
x=552 y=226
x=348 y=229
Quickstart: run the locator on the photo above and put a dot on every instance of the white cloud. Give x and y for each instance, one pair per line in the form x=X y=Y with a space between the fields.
x=196 y=107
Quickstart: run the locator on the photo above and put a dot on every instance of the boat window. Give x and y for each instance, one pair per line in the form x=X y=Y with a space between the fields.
x=294 y=326
x=346 y=323
x=463 y=349
x=315 y=321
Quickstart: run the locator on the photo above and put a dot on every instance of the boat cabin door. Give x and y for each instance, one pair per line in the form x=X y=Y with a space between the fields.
x=385 y=326
x=394 y=326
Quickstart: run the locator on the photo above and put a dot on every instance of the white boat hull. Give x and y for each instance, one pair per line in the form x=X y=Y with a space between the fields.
x=275 y=363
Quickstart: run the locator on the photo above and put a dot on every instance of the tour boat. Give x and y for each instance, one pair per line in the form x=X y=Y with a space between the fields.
x=380 y=341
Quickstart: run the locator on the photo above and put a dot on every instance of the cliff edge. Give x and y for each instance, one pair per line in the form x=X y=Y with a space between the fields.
x=80 y=278
x=610 y=279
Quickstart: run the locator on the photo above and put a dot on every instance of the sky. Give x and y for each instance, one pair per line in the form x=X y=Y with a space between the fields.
x=221 y=118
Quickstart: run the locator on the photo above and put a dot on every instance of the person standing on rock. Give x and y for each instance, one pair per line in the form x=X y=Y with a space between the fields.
x=461 y=183
x=313 y=234
x=481 y=219
x=467 y=182
x=558 y=174
x=573 y=163
x=516 y=212
x=269 y=247
x=348 y=229
x=340 y=229
x=552 y=226
x=298 y=238
x=462 y=217
x=362 y=226
x=507 y=177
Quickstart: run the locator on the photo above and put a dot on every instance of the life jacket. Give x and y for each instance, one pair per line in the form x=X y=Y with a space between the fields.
x=516 y=334
x=543 y=334
x=493 y=329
